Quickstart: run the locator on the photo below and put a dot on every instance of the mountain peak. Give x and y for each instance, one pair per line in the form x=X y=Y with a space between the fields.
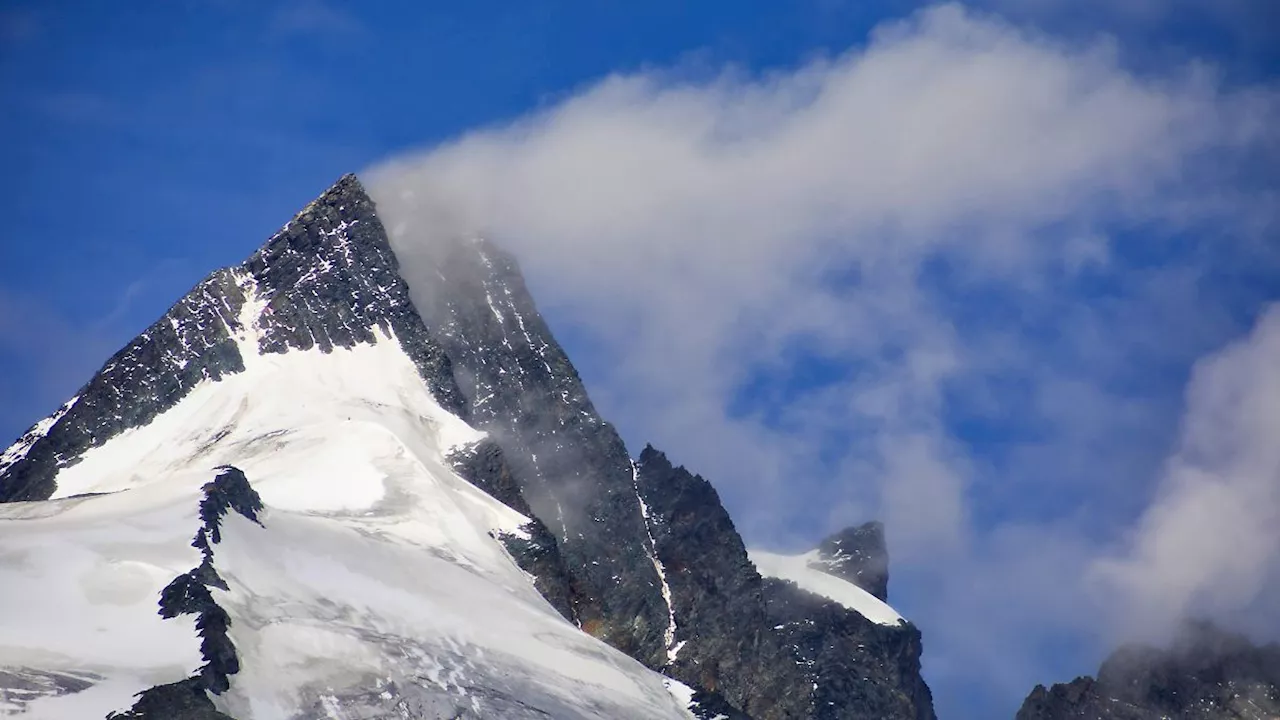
x=327 y=279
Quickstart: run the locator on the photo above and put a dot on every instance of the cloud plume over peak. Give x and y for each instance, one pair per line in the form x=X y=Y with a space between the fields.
x=944 y=279
x=1208 y=543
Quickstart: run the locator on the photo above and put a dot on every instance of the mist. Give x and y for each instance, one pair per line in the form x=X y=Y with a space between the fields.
x=955 y=280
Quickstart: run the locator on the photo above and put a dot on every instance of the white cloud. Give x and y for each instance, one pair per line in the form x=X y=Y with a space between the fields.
x=1208 y=544
x=915 y=211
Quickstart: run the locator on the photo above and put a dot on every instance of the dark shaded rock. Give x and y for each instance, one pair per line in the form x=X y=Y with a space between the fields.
x=230 y=490
x=855 y=668
x=770 y=649
x=188 y=594
x=715 y=590
x=571 y=466
x=1206 y=674
x=708 y=705
x=183 y=700
x=857 y=554
x=184 y=595
x=484 y=466
x=539 y=555
x=328 y=279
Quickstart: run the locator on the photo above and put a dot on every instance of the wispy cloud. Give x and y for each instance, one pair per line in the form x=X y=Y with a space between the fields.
x=931 y=280
x=1208 y=544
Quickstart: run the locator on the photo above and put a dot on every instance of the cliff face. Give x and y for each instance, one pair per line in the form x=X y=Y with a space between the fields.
x=640 y=554
x=769 y=646
x=570 y=464
x=1206 y=674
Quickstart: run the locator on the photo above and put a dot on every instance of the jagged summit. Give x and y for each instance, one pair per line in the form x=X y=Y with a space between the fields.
x=327 y=279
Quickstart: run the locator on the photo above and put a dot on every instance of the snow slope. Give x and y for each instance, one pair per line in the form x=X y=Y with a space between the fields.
x=374 y=586
x=797 y=569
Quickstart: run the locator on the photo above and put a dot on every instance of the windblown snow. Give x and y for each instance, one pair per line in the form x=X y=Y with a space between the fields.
x=375 y=586
x=798 y=569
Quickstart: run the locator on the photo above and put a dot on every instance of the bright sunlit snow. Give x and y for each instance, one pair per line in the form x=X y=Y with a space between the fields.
x=376 y=577
x=796 y=569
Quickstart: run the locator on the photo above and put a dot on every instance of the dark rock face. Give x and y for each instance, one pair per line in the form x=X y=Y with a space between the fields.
x=188 y=594
x=328 y=279
x=1207 y=674
x=484 y=466
x=183 y=700
x=855 y=668
x=767 y=647
x=709 y=705
x=716 y=593
x=858 y=554
x=571 y=466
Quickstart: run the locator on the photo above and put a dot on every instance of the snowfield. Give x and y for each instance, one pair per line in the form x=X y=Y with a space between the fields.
x=374 y=587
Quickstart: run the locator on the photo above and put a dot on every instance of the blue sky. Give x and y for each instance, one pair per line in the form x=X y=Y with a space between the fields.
x=999 y=275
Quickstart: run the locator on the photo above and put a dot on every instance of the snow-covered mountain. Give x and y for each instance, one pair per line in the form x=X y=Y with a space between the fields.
x=311 y=491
